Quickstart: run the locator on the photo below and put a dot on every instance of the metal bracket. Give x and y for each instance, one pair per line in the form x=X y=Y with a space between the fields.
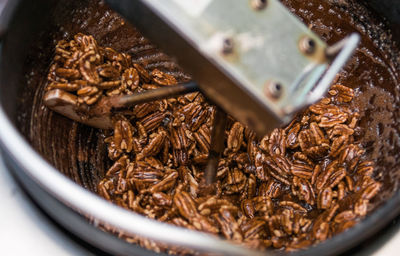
x=343 y=51
x=254 y=59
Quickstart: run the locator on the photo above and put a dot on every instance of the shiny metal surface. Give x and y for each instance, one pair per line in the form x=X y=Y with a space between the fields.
x=233 y=47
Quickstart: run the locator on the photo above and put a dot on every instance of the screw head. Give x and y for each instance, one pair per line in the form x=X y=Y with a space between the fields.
x=273 y=89
x=258 y=4
x=227 y=46
x=307 y=45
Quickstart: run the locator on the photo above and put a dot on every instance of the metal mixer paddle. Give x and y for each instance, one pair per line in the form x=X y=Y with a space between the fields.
x=253 y=59
x=99 y=115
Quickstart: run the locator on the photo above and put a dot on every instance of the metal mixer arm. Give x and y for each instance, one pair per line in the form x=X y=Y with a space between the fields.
x=257 y=61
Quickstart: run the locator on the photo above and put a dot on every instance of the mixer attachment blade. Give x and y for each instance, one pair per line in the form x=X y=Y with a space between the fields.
x=254 y=59
x=99 y=115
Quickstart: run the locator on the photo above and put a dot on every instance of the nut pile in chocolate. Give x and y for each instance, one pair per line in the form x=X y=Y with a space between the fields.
x=82 y=67
x=297 y=186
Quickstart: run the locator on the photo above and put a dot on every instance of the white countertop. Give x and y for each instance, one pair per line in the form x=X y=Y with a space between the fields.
x=24 y=230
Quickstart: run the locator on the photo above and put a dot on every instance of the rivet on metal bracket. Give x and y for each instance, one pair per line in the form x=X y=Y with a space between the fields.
x=227 y=46
x=307 y=45
x=258 y=4
x=273 y=89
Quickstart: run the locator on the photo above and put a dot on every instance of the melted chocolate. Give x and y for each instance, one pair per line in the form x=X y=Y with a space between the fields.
x=79 y=152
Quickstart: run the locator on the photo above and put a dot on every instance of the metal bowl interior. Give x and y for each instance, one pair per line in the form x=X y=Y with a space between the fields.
x=65 y=160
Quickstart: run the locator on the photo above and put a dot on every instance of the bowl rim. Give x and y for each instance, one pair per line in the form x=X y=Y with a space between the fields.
x=89 y=204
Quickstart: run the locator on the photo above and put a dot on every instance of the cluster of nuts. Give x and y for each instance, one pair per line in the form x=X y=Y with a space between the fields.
x=297 y=186
x=83 y=68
